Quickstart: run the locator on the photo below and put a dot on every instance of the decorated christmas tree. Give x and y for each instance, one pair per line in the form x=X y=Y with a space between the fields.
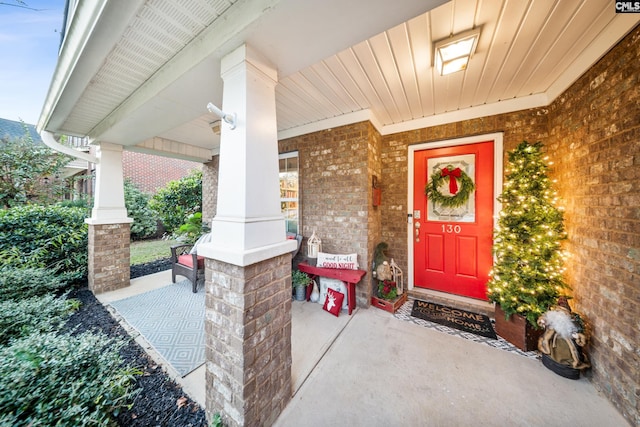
x=527 y=276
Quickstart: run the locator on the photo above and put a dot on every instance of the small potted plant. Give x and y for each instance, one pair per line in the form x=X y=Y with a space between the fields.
x=387 y=289
x=300 y=280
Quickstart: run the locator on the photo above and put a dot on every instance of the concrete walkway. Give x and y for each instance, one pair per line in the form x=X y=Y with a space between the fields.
x=371 y=369
x=382 y=371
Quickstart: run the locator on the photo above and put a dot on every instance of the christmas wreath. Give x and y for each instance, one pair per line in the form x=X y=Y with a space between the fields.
x=459 y=196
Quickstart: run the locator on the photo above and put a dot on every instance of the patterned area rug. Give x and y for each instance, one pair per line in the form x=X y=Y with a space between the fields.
x=404 y=313
x=171 y=319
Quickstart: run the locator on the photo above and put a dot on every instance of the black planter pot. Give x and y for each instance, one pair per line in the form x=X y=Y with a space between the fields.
x=560 y=369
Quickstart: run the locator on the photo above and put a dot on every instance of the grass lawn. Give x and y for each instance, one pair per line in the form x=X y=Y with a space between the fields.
x=150 y=250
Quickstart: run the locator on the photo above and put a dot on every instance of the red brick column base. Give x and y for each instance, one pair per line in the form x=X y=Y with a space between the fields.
x=248 y=340
x=109 y=257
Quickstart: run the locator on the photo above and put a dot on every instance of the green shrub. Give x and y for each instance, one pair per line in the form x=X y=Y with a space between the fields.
x=53 y=237
x=190 y=231
x=84 y=202
x=17 y=284
x=26 y=168
x=33 y=315
x=145 y=222
x=177 y=200
x=62 y=380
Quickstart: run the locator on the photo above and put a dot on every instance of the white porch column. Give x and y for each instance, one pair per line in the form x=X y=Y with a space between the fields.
x=249 y=226
x=108 y=205
x=248 y=262
x=109 y=226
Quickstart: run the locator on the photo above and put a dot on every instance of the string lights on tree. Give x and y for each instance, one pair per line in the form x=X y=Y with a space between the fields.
x=527 y=277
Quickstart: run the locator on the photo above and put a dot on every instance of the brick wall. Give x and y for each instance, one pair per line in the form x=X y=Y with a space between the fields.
x=595 y=143
x=335 y=188
x=108 y=257
x=374 y=215
x=248 y=340
x=210 y=189
x=149 y=172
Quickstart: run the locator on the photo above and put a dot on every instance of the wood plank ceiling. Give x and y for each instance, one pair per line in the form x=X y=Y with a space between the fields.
x=524 y=47
x=150 y=88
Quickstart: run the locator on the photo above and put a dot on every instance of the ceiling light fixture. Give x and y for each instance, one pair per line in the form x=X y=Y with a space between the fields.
x=215 y=126
x=227 y=118
x=453 y=53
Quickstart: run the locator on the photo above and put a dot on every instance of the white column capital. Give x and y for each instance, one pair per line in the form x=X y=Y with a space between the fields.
x=243 y=57
x=107 y=146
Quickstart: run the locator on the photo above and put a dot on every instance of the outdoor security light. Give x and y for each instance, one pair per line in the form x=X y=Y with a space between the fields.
x=227 y=118
x=453 y=54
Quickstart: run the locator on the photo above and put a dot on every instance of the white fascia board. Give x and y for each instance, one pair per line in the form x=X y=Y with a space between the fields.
x=217 y=39
x=94 y=29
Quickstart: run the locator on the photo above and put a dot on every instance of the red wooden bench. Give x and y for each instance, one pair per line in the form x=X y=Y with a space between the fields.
x=349 y=277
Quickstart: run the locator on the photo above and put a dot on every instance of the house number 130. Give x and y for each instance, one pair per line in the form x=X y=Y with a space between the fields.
x=448 y=228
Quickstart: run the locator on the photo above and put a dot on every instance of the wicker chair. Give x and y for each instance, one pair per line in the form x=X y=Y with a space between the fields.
x=298 y=239
x=186 y=264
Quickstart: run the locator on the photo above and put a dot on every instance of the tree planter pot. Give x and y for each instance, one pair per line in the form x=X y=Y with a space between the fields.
x=517 y=331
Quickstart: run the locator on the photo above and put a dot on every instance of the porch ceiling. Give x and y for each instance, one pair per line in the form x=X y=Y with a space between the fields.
x=140 y=73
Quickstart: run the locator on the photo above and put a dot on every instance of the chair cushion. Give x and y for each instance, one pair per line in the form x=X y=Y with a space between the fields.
x=188 y=261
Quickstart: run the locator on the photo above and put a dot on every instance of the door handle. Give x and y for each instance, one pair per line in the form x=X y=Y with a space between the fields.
x=417 y=228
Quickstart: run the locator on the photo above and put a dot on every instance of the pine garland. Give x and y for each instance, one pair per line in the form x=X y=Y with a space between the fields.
x=527 y=276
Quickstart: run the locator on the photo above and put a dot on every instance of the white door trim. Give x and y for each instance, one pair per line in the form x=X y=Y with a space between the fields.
x=497 y=182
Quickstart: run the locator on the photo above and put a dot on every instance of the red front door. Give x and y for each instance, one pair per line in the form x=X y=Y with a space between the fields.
x=452 y=245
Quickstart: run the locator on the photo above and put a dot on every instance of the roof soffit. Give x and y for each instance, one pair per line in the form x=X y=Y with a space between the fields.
x=378 y=68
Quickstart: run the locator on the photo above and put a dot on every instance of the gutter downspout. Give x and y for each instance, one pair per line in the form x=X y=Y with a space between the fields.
x=49 y=141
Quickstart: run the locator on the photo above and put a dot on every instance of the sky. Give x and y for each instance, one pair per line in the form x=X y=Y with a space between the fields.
x=29 y=42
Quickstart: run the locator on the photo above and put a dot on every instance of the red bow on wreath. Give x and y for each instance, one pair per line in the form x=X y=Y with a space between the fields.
x=453 y=182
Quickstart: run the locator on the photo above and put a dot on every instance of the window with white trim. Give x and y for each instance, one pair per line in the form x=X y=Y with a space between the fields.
x=289 y=193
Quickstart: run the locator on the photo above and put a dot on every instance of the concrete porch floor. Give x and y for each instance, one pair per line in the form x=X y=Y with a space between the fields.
x=371 y=369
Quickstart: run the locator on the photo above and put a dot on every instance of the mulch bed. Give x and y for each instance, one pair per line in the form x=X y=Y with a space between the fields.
x=150 y=267
x=161 y=402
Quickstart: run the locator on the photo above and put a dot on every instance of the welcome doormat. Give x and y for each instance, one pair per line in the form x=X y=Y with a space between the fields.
x=171 y=319
x=463 y=320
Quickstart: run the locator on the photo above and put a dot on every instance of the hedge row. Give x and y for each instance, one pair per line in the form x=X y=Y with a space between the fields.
x=62 y=380
x=48 y=377
x=52 y=237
